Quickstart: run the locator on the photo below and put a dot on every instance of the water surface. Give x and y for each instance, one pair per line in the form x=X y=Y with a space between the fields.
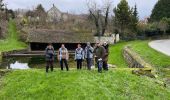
x=30 y=62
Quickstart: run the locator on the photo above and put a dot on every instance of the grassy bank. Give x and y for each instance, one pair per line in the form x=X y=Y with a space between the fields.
x=150 y=55
x=116 y=56
x=12 y=41
x=155 y=58
x=79 y=85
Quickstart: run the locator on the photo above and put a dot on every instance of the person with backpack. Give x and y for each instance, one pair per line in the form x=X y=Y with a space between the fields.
x=89 y=55
x=99 y=53
x=79 y=56
x=63 y=57
x=49 y=55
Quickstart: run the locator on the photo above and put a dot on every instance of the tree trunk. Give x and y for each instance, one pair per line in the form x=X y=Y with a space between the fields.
x=103 y=31
x=0 y=32
x=104 y=27
x=97 y=27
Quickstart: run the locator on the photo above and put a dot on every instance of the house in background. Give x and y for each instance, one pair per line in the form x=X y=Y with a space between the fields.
x=55 y=15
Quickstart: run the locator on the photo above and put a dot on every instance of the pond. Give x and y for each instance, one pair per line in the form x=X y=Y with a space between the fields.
x=30 y=62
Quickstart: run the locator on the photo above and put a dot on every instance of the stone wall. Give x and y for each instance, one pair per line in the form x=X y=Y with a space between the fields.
x=111 y=40
x=140 y=66
x=134 y=60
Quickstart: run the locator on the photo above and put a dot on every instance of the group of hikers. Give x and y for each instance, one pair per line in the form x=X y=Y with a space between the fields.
x=100 y=52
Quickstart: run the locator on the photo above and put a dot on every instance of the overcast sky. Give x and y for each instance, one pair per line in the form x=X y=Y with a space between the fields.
x=79 y=6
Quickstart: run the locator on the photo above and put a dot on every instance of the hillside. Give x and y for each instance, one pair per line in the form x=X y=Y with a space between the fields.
x=11 y=42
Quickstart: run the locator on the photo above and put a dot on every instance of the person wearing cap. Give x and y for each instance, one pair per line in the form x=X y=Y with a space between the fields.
x=105 y=64
x=63 y=57
x=49 y=55
x=89 y=55
x=99 y=53
x=79 y=56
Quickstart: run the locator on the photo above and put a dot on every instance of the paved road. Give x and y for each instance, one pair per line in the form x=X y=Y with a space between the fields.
x=161 y=46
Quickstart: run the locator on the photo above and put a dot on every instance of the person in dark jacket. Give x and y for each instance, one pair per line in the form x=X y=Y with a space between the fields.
x=99 y=54
x=89 y=55
x=79 y=56
x=49 y=55
x=105 y=64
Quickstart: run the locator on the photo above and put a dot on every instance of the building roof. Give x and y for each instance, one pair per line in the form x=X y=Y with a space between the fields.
x=54 y=9
x=53 y=36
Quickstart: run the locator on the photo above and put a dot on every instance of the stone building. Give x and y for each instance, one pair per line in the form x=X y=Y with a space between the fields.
x=38 y=39
x=55 y=15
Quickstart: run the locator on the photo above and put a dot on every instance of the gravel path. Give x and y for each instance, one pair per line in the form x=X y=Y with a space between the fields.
x=161 y=46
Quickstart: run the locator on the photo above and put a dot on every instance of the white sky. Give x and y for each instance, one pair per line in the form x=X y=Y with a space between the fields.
x=79 y=6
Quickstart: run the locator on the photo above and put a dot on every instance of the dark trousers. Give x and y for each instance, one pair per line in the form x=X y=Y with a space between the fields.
x=49 y=64
x=79 y=63
x=105 y=65
x=64 y=61
x=99 y=65
x=89 y=63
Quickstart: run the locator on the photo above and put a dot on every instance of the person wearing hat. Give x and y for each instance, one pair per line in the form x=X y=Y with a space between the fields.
x=99 y=53
x=105 y=64
x=89 y=55
x=49 y=55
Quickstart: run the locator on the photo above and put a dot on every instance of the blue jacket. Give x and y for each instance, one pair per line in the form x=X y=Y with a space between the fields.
x=79 y=54
x=89 y=52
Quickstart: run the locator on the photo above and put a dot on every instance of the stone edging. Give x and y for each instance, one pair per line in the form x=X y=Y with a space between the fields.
x=134 y=60
x=6 y=53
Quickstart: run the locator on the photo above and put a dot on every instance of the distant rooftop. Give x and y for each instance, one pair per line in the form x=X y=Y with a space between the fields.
x=54 y=8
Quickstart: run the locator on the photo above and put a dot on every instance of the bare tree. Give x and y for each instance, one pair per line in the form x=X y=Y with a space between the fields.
x=0 y=32
x=106 y=11
x=99 y=15
x=94 y=15
x=1 y=8
x=1 y=5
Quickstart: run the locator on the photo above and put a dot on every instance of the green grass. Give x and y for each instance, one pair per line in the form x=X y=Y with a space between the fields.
x=79 y=85
x=155 y=58
x=116 y=57
x=11 y=42
x=150 y=55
